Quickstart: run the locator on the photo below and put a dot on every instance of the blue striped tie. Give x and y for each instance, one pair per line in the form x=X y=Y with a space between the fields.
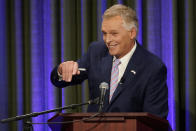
x=114 y=77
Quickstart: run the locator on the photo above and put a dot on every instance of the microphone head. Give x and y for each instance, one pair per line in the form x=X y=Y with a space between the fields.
x=103 y=85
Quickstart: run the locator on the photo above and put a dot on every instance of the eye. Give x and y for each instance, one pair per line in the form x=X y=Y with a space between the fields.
x=114 y=33
x=104 y=33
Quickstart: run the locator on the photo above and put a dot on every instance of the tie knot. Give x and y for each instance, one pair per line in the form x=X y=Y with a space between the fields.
x=116 y=62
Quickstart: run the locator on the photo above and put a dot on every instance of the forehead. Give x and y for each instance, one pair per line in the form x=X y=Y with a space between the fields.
x=115 y=22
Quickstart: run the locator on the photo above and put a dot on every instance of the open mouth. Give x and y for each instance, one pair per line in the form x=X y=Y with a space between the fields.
x=112 y=45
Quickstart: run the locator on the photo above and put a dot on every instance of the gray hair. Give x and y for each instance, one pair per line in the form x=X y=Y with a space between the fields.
x=127 y=14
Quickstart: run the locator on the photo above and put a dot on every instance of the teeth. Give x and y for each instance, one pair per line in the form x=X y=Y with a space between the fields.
x=112 y=45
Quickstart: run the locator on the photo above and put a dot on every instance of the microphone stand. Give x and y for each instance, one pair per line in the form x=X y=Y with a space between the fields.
x=27 y=124
x=100 y=106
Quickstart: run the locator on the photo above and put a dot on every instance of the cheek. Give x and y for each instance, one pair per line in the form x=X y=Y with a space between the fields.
x=117 y=39
x=124 y=43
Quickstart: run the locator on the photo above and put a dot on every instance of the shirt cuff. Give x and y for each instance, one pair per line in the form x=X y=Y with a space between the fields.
x=60 y=76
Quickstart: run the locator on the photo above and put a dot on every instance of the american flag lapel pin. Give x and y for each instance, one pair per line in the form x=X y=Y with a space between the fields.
x=132 y=71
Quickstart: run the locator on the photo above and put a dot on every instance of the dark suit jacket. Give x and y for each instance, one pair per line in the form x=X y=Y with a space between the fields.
x=144 y=91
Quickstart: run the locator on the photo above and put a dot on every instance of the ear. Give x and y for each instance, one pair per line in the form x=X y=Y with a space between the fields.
x=133 y=33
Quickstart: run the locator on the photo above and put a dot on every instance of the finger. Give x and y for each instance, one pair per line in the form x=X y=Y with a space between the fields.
x=78 y=72
x=64 y=72
x=67 y=68
x=75 y=68
x=69 y=72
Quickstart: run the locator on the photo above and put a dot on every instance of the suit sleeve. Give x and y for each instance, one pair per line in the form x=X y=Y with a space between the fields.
x=156 y=95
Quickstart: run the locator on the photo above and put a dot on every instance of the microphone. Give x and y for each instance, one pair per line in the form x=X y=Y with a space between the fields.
x=103 y=87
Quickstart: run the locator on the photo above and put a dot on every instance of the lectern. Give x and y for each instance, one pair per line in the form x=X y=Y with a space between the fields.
x=108 y=122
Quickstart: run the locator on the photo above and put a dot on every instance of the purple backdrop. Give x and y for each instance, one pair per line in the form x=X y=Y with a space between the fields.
x=159 y=41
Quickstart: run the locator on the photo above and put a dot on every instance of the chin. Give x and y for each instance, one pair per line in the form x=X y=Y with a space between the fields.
x=113 y=54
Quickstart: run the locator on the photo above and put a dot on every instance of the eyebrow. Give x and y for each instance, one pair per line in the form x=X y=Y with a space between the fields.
x=109 y=31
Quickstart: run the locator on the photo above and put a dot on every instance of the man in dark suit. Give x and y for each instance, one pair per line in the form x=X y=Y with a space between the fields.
x=136 y=77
